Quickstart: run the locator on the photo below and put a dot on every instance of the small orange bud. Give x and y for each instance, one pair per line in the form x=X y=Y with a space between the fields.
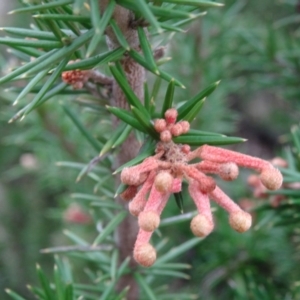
x=145 y=255
x=148 y=220
x=163 y=182
x=201 y=226
x=240 y=221
x=229 y=171
x=271 y=178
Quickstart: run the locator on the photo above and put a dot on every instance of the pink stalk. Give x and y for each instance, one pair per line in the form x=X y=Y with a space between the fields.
x=143 y=237
x=201 y=200
x=206 y=166
x=223 y=155
x=223 y=200
x=206 y=183
x=139 y=201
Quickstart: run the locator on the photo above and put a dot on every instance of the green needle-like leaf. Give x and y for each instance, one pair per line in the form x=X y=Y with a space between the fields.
x=144 y=121
x=114 y=264
x=168 y=102
x=46 y=87
x=193 y=140
x=29 y=33
x=179 y=201
x=146 y=48
x=198 y=3
x=92 y=62
x=30 y=43
x=94 y=143
x=123 y=136
x=43 y=6
x=110 y=227
x=191 y=115
x=45 y=284
x=114 y=137
x=189 y=104
x=118 y=33
x=126 y=117
x=14 y=295
x=33 y=82
x=144 y=285
x=176 y=251
x=59 y=17
x=124 y=85
x=100 y=28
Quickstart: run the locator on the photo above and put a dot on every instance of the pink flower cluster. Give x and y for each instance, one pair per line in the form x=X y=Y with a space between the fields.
x=151 y=183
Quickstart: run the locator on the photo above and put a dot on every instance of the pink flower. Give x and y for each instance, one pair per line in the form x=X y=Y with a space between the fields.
x=162 y=174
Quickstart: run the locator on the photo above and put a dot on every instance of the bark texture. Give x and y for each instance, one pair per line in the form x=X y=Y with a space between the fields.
x=128 y=229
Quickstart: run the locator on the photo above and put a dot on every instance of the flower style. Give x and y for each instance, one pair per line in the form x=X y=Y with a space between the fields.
x=162 y=174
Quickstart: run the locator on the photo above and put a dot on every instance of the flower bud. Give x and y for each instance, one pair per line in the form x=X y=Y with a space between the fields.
x=171 y=115
x=145 y=255
x=129 y=193
x=186 y=149
x=165 y=136
x=240 y=221
x=176 y=129
x=271 y=178
x=148 y=220
x=163 y=182
x=185 y=125
x=160 y=125
x=201 y=226
x=229 y=171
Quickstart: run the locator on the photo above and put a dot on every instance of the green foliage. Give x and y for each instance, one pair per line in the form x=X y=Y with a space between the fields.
x=248 y=54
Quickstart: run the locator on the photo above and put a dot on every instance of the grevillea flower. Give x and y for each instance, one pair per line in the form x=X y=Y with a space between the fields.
x=151 y=183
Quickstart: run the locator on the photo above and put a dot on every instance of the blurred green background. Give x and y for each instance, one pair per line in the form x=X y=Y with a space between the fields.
x=253 y=48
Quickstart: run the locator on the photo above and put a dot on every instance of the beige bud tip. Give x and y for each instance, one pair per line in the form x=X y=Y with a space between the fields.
x=130 y=177
x=229 y=171
x=171 y=115
x=160 y=125
x=145 y=255
x=163 y=182
x=271 y=178
x=240 y=221
x=201 y=226
x=148 y=220
x=165 y=136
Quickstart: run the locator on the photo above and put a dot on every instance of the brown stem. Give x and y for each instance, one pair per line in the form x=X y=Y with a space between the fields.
x=128 y=229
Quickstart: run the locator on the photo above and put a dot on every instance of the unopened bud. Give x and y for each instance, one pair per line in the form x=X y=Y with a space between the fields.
x=186 y=149
x=176 y=130
x=148 y=220
x=240 y=221
x=171 y=115
x=271 y=178
x=185 y=125
x=229 y=171
x=160 y=125
x=201 y=226
x=145 y=255
x=129 y=193
x=165 y=136
x=163 y=182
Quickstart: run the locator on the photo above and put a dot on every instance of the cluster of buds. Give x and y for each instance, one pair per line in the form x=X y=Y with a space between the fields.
x=151 y=183
x=76 y=78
